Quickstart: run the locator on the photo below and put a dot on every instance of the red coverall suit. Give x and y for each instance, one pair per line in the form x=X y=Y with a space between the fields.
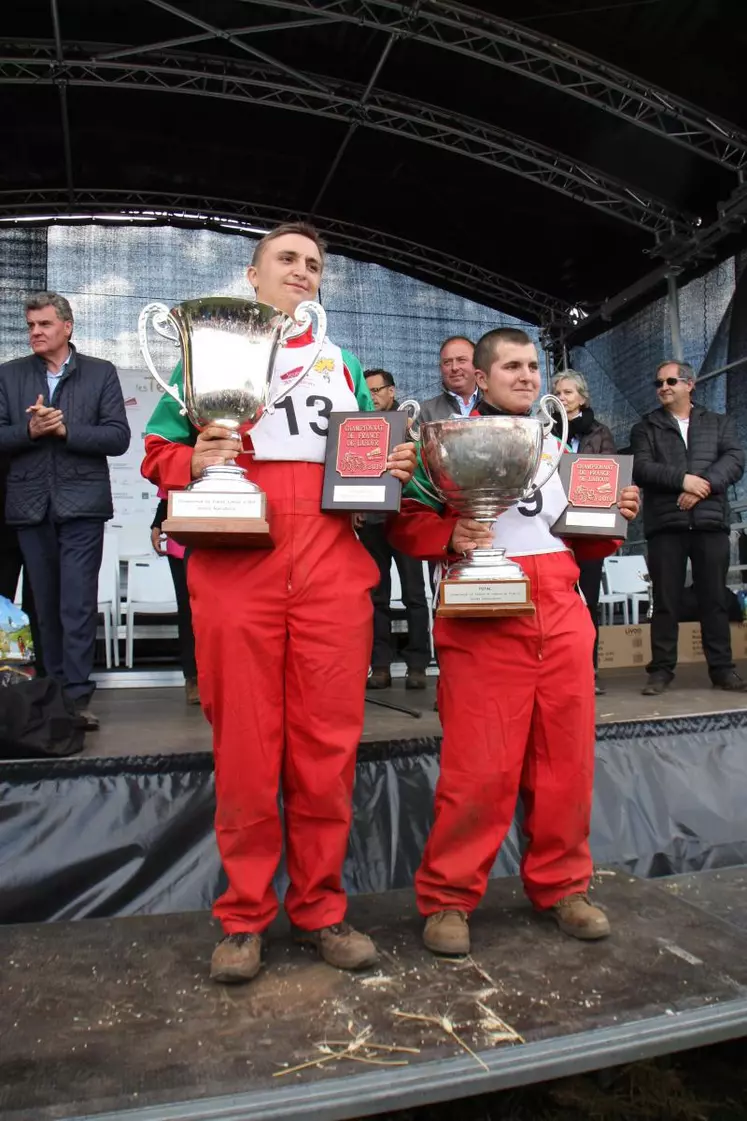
x=516 y=700
x=283 y=639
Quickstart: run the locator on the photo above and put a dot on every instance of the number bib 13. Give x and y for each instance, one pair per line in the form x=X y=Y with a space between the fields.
x=297 y=427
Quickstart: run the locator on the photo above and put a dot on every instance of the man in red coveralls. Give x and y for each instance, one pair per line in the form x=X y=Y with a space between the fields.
x=283 y=638
x=515 y=694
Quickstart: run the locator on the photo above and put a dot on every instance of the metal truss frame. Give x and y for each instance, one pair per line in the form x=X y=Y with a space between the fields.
x=491 y=39
x=357 y=106
x=249 y=218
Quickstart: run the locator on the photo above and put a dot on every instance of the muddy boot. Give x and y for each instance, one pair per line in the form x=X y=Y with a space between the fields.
x=236 y=958
x=576 y=916
x=340 y=945
x=447 y=932
x=380 y=678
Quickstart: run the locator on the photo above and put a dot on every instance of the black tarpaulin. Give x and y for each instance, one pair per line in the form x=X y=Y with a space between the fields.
x=103 y=837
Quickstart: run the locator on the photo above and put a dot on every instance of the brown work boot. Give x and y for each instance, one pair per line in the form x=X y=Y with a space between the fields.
x=415 y=679
x=379 y=678
x=340 y=945
x=576 y=916
x=191 y=691
x=236 y=958
x=447 y=932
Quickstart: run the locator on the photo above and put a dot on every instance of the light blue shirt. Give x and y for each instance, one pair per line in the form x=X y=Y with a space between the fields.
x=465 y=407
x=53 y=379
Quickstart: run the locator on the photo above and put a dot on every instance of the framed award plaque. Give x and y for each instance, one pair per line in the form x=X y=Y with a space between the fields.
x=358 y=446
x=592 y=484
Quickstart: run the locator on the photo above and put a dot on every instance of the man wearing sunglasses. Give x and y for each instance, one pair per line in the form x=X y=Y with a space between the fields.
x=685 y=458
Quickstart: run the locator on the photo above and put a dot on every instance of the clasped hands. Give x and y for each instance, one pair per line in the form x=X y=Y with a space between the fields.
x=469 y=534
x=694 y=489
x=217 y=445
x=44 y=420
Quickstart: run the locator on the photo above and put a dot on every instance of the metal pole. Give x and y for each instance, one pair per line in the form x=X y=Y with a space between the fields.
x=721 y=370
x=673 y=302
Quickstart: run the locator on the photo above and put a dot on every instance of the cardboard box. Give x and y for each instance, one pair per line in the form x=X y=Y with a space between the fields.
x=626 y=647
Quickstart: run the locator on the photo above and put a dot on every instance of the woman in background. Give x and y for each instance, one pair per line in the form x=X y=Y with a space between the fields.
x=589 y=436
x=174 y=553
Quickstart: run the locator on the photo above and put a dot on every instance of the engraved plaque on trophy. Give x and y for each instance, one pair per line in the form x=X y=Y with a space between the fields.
x=355 y=474
x=592 y=484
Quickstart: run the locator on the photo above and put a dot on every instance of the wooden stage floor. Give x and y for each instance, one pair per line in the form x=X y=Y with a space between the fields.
x=157 y=721
x=119 y=1014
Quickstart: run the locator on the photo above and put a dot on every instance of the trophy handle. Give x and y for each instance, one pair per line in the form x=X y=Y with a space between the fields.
x=547 y=422
x=165 y=325
x=293 y=328
x=413 y=430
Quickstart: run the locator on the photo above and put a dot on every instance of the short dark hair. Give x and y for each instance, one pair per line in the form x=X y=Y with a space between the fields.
x=455 y=339
x=488 y=345
x=684 y=369
x=41 y=300
x=304 y=229
x=388 y=378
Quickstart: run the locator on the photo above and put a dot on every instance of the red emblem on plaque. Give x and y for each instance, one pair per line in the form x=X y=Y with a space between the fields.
x=363 y=446
x=593 y=482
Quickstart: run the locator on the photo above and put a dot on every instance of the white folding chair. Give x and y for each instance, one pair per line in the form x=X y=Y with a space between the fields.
x=108 y=598
x=627 y=576
x=150 y=591
x=429 y=603
x=133 y=541
x=395 y=595
x=396 y=601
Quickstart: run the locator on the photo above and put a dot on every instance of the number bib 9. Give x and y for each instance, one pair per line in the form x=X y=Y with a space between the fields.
x=524 y=529
x=297 y=426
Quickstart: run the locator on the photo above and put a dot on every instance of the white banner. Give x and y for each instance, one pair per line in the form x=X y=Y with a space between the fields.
x=134 y=497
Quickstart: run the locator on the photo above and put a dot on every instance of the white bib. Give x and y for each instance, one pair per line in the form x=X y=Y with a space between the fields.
x=297 y=426
x=525 y=529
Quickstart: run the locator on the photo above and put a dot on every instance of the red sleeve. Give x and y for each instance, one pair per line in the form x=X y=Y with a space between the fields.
x=593 y=548
x=166 y=464
x=421 y=532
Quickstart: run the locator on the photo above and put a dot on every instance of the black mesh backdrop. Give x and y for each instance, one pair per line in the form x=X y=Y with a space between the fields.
x=620 y=364
x=385 y=318
x=23 y=270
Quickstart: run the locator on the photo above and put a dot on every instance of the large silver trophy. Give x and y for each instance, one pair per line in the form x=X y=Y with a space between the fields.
x=481 y=466
x=228 y=349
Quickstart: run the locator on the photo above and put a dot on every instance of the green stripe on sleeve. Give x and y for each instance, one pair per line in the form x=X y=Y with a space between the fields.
x=167 y=419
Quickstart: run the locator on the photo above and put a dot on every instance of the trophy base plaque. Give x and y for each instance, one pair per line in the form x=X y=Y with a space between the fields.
x=222 y=509
x=484 y=599
x=483 y=586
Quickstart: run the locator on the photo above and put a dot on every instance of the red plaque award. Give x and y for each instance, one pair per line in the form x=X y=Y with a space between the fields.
x=593 y=484
x=358 y=446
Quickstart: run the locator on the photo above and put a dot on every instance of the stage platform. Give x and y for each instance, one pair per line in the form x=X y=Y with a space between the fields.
x=117 y=1018
x=156 y=720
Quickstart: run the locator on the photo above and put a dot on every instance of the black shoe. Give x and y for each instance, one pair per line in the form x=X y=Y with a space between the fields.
x=732 y=683
x=88 y=721
x=415 y=679
x=599 y=690
x=655 y=685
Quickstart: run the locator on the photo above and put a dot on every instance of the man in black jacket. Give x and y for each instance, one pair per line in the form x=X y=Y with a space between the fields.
x=61 y=414
x=372 y=532
x=685 y=458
